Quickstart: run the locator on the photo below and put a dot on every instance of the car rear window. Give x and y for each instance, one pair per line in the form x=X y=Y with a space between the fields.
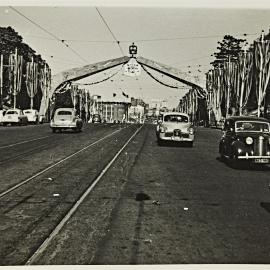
x=12 y=112
x=251 y=126
x=64 y=113
x=175 y=118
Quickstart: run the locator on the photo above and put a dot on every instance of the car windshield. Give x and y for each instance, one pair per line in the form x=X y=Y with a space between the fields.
x=251 y=126
x=175 y=118
x=12 y=112
x=64 y=113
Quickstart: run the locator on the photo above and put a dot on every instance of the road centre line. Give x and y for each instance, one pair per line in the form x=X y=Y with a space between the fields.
x=57 y=229
x=59 y=162
x=10 y=145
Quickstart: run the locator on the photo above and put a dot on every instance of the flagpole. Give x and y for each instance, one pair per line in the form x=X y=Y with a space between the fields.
x=260 y=78
x=15 y=78
x=242 y=82
x=228 y=87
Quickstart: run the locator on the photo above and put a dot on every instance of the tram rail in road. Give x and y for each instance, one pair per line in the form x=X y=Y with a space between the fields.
x=57 y=163
x=61 y=224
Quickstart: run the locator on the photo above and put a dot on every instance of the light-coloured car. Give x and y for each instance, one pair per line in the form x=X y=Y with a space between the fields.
x=32 y=115
x=66 y=118
x=176 y=127
x=14 y=116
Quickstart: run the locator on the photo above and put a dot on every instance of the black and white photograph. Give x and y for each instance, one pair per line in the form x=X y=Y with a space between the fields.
x=135 y=133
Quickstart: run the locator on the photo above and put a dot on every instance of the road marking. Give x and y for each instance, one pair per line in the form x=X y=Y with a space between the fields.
x=57 y=163
x=10 y=145
x=60 y=225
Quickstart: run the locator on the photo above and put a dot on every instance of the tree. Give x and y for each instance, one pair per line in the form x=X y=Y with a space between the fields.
x=229 y=47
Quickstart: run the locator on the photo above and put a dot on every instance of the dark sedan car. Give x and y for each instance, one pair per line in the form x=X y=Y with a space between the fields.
x=246 y=138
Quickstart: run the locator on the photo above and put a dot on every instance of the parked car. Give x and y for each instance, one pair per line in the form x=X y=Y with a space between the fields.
x=176 y=127
x=14 y=116
x=96 y=118
x=32 y=115
x=246 y=139
x=66 y=118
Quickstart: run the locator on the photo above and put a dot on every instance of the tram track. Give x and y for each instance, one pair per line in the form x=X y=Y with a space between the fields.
x=81 y=199
x=54 y=210
x=3 y=193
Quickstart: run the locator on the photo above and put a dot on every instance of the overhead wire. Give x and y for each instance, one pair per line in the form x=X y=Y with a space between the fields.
x=48 y=32
x=117 y=41
x=144 y=40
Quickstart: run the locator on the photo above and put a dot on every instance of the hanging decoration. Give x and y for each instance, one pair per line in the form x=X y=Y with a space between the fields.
x=152 y=76
x=15 y=75
x=31 y=80
x=132 y=68
x=262 y=62
x=45 y=82
x=200 y=93
x=103 y=80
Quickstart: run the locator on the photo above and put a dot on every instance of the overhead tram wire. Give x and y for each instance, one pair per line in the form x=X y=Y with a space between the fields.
x=116 y=40
x=49 y=33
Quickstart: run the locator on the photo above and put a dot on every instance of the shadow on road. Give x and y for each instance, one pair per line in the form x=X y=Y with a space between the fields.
x=266 y=206
x=243 y=165
x=175 y=144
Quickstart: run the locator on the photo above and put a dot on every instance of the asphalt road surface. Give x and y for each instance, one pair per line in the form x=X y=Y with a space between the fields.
x=109 y=195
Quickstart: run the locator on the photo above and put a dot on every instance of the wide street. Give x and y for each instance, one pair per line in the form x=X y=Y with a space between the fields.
x=149 y=204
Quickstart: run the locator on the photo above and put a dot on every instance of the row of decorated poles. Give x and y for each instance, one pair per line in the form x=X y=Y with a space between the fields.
x=240 y=82
x=86 y=103
x=231 y=87
x=35 y=76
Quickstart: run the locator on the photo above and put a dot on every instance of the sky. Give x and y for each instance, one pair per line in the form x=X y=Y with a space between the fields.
x=183 y=37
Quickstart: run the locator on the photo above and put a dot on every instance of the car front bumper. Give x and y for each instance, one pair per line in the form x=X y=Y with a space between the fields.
x=182 y=138
x=63 y=125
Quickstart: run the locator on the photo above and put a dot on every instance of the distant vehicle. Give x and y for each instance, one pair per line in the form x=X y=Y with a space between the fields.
x=245 y=140
x=96 y=118
x=176 y=127
x=32 y=115
x=66 y=118
x=14 y=117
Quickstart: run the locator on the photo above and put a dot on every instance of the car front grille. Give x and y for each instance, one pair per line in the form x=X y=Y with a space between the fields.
x=168 y=134
x=171 y=134
x=260 y=147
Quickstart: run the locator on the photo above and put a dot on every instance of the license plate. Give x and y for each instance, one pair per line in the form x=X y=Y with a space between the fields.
x=9 y=117
x=177 y=138
x=261 y=160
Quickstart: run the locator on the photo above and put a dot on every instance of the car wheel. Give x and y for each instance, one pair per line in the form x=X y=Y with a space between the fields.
x=53 y=130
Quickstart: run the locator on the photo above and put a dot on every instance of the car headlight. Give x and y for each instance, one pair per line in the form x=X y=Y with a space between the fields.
x=249 y=140
x=191 y=131
x=162 y=129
